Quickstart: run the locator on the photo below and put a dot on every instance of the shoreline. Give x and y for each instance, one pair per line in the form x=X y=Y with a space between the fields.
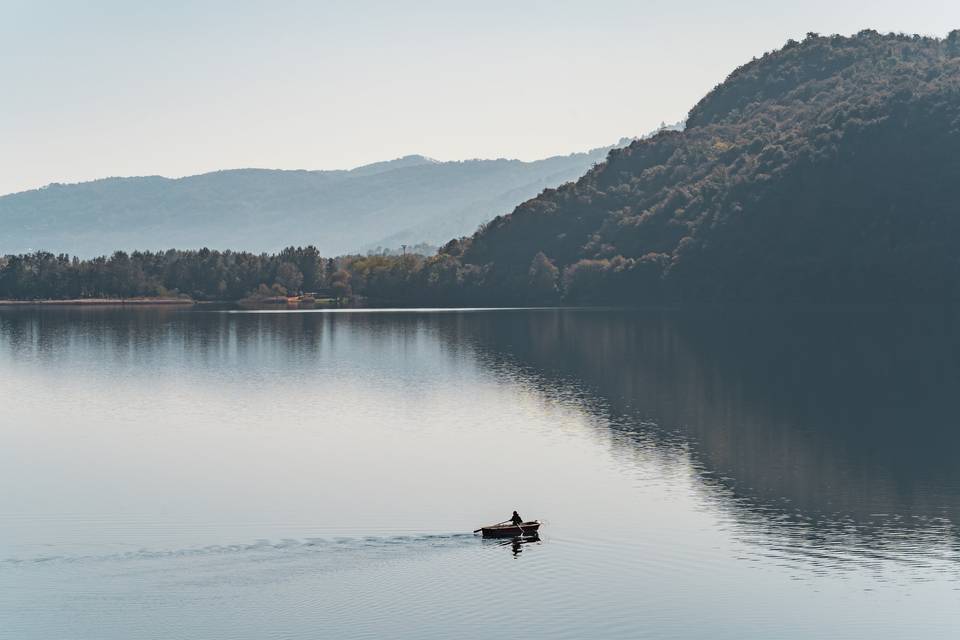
x=91 y=302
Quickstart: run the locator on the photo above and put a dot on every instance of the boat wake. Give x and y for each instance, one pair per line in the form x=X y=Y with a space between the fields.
x=370 y=546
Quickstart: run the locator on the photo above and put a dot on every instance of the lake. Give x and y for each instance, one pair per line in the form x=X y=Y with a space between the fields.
x=714 y=473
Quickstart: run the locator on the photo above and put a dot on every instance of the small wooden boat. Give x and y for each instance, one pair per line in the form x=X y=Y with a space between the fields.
x=510 y=530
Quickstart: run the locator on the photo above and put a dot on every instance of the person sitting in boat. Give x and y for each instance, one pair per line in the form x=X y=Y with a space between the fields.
x=516 y=519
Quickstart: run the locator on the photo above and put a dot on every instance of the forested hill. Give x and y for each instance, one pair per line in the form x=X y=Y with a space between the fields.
x=409 y=200
x=826 y=171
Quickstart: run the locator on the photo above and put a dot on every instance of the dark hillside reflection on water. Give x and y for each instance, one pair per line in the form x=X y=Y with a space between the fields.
x=830 y=432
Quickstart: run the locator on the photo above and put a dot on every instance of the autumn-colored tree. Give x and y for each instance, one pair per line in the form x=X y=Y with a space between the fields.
x=542 y=280
x=340 y=283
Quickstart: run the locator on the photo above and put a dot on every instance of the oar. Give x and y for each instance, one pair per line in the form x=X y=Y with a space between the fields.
x=492 y=525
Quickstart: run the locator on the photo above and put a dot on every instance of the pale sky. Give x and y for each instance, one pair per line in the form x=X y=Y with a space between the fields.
x=107 y=88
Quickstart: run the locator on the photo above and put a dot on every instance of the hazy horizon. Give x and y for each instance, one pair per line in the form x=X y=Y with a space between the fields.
x=187 y=88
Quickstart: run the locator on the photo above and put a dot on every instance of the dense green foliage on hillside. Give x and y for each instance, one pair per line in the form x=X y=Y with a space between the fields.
x=826 y=171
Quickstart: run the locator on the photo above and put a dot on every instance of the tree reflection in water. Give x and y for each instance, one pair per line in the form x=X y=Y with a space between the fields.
x=830 y=434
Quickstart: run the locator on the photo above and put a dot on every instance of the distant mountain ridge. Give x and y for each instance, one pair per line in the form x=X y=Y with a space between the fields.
x=408 y=200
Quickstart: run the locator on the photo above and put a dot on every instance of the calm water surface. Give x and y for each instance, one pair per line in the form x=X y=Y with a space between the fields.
x=197 y=474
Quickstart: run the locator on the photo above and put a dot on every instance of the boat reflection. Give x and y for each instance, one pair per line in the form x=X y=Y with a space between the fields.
x=516 y=544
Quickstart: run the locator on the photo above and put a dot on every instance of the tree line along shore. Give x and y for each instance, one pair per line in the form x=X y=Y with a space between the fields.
x=295 y=276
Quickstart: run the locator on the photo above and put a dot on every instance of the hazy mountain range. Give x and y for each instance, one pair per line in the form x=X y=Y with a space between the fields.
x=409 y=200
